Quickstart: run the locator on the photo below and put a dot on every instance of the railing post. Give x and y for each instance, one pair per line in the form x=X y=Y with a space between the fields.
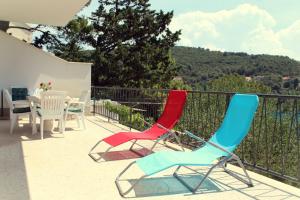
x=130 y=127
x=94 y=106
x=2 y=109
x=227 y=101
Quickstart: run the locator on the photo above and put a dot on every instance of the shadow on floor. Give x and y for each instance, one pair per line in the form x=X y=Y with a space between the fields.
x=260 y=191
x=13 y=175
x=169 y=185
x=125 y=154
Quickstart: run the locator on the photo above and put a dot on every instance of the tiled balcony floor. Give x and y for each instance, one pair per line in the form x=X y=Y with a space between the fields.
x=59 y=168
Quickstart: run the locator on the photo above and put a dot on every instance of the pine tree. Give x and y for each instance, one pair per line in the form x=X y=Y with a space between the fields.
x=132 y=44
x=66 y=42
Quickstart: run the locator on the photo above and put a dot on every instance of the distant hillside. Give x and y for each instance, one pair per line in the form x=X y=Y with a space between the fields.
x=199 y=65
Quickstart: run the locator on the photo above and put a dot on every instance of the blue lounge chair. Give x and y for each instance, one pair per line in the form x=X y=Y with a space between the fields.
x=214 y=153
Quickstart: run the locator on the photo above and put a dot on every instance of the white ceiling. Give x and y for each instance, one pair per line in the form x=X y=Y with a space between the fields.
x=47 y=12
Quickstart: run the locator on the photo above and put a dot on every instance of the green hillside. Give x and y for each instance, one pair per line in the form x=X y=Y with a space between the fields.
x=200 y=65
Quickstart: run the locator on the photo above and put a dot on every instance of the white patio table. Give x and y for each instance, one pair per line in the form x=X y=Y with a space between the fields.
x=48 y=124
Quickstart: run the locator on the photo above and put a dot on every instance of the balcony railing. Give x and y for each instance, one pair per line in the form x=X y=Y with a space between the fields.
x=271 y=147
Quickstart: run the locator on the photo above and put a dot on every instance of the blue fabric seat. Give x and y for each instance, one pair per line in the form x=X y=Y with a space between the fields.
x=165 y=159
x=74 y=109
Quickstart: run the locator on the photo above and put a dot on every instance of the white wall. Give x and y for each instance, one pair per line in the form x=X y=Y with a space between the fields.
x=47 y=12
x=24 y=65
x=21 y=34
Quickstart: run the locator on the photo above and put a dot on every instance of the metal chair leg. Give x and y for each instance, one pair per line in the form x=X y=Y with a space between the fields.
x=132 y=145
x=178 y=141
x=122 y=193
x=101 y=156
x=194 y=190
x=247 y=182
x=155 y=143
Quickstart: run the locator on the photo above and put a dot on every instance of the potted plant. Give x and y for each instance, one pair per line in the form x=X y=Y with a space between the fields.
x=46 y=86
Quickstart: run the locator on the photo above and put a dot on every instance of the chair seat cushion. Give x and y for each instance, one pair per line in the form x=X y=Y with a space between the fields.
x=21 y=110
x=74 y=109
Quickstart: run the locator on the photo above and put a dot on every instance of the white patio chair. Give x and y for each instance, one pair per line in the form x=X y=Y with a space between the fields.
x=51 y=108
x=16 y=112
x=77 y=108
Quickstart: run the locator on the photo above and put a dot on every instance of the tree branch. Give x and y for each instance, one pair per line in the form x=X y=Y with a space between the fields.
x=37 y=28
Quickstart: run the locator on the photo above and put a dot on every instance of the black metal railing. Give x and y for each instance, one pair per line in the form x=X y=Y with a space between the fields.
x=272 y=145
x=1 y=105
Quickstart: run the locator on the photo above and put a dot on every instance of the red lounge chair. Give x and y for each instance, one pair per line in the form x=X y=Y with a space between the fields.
x=160 y=130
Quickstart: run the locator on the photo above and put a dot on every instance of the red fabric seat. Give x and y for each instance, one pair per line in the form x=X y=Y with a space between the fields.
x=170 y=116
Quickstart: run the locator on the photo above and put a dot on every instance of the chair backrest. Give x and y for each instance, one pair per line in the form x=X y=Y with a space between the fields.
x=85 y=96
x=173 y=108
x=8 y=99
x=19 y=93
x=237 y=121
x=53 y=103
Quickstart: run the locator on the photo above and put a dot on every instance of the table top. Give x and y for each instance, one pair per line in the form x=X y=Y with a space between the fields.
x=37 y=99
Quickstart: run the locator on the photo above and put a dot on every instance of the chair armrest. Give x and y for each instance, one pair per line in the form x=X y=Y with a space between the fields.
x=76 y=102
x=75 y=99
x=80 y=103
x=208 y=142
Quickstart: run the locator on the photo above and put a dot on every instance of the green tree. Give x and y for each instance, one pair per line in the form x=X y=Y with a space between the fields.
x=198 y=65
x=235 y=83
x=67 y=42
x=132 y=44
x=178 y=84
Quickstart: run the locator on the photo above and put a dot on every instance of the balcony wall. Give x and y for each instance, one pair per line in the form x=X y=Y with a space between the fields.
x=24 y=65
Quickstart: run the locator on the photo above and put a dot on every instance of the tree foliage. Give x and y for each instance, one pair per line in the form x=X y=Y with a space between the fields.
x=71 y=39
x=179 y=85
x=132 y=44
x=129 y=44
x=67 y=42
x=236 y=83
x=200 y=65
